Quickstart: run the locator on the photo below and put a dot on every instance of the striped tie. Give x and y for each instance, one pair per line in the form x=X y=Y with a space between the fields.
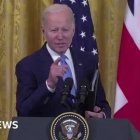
x=68 y=73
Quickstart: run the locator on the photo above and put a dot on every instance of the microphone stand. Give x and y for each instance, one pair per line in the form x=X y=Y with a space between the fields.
x=91 y=99
x=68 y=83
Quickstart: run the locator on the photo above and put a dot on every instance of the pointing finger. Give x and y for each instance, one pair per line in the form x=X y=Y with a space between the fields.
x=57 y=61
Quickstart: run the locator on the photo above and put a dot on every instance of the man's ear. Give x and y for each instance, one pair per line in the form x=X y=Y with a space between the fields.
x=73 y=30
x=42 y=28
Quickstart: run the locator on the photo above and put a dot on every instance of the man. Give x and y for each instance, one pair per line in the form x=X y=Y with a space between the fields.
x=40 y=76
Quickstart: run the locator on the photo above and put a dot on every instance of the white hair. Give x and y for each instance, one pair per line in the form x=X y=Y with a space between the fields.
x=55 y=8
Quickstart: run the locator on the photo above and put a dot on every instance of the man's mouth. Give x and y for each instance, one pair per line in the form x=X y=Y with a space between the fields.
x=61 y=44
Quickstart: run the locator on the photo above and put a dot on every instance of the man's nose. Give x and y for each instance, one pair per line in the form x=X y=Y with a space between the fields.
x=60 y=35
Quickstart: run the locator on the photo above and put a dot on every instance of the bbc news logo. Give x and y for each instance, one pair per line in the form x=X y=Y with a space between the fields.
x=8 y=124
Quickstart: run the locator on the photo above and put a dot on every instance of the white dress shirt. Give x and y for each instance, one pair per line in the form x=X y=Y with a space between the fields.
x=69 y=61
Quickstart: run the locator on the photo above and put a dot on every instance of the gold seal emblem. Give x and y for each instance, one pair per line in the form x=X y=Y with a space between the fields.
x=69 y=126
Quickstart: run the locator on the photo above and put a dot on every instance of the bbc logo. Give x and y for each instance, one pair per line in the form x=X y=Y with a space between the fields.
x=8 y=124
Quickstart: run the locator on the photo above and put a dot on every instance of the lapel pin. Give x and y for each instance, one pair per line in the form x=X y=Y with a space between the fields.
x=80 y=64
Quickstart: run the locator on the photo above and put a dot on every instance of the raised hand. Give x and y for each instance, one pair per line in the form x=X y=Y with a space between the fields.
x=56 y=70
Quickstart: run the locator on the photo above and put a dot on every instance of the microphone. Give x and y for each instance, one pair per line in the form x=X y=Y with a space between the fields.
x=84 y=89
x=68 y=83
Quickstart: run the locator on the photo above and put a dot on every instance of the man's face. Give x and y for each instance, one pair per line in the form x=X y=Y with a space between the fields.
x=58 y=31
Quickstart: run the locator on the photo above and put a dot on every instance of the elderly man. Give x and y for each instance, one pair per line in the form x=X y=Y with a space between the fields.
x=40 y=76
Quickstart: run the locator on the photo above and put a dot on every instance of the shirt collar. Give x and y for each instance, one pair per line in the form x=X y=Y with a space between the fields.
x=55 y=55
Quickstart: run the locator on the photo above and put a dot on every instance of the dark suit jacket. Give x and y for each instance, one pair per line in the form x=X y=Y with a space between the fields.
x=33 y=97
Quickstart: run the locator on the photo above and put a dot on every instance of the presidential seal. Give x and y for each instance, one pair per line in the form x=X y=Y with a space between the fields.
x=69 y=126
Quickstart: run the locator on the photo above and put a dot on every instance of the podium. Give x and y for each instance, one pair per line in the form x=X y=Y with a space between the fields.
x=38 y=128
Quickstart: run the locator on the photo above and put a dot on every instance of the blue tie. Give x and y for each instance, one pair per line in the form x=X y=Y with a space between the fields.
x=68 y=73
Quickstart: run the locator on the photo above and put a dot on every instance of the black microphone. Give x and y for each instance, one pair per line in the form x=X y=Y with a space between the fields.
x=84 y=89
x=68 y=83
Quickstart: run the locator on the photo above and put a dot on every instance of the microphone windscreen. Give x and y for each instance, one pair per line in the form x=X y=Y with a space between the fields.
x=85 y=83
x=68 y=82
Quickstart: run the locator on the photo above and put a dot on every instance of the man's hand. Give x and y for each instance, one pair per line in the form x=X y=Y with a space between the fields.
x=96 y=113
x=56 y=71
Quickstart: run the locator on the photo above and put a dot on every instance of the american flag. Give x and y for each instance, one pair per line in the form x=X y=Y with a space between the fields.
x=127 y=101
x=84 y=38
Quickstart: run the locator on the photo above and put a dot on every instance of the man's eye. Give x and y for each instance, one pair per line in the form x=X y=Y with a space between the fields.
x=54 y=30
x=65 y=30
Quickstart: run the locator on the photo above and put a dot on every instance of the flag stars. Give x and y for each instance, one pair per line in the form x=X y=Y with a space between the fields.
x=84 y=18
x=84 y=3
x=72 y=1
x=82 y=49
x=94 y=51
x=94 y=37
x=83 y=34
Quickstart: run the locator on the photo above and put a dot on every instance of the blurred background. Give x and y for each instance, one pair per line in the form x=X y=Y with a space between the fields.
x=20 y=35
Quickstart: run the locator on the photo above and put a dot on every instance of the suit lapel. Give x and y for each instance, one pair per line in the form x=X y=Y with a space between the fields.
x=46 y=58
x=78 y=66
x=45 y=54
